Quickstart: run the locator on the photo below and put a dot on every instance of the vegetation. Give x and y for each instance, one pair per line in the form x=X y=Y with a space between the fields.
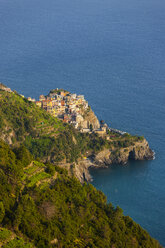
x=5 y=234
x=21 y=118
x=61 y=213
x=9 y=239
x=40 y=205
x=47 y=137
x=57 y=91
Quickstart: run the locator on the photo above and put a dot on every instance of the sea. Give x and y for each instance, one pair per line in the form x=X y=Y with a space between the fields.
x=113 y=52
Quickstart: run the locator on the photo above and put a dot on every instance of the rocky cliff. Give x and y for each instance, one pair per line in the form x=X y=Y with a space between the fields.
x=139 y=151
x=89 y=119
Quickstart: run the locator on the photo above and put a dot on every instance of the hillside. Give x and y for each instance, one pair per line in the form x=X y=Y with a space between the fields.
x=45 y=136
x=41 y=206
x=50 y=139
x=21 y=118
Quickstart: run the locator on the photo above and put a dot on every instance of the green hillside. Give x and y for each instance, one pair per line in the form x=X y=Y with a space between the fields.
x=41 y=206
x=21 y=118
x=23 y=122
x=46 y=137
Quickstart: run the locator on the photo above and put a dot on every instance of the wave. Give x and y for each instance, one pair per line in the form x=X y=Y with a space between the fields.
x=154 y=155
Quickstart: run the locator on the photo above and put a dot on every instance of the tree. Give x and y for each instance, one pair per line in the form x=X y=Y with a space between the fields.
x=23 y=155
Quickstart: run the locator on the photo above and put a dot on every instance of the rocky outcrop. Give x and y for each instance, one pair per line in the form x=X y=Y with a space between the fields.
x=81 y=171
x=4 y=88
x=90 y=119
x=139 y=151
x=7 y=135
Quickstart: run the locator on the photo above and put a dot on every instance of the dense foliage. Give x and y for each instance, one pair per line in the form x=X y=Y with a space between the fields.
x=43 y=205
x=8 y=239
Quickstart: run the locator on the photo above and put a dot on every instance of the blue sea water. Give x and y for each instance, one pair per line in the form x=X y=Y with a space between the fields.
x=113 y=52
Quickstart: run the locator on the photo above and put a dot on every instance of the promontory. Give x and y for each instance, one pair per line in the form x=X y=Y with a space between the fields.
x=44 y=146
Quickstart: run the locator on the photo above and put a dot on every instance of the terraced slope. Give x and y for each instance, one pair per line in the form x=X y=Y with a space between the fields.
x=45 y=136
x=35 y=175
x=21 y=118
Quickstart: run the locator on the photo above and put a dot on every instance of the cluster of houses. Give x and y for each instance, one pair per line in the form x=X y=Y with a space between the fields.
x=69 y=108
x=64 y=105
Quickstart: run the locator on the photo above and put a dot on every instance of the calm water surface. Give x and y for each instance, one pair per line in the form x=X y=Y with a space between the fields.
x=113 y=52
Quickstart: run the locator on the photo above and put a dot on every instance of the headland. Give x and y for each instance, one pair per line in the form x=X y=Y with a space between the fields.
x=107 y=145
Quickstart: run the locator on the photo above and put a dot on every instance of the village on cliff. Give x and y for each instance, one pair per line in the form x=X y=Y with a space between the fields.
x=73 y=109
x=70 y=108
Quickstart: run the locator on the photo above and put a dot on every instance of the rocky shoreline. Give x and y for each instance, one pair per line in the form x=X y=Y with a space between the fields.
x=106 y=157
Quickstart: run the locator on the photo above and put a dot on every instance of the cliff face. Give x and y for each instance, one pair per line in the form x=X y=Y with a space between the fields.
x=90 y=119
x=7 y=135
x=138 y=151
x=81 y=171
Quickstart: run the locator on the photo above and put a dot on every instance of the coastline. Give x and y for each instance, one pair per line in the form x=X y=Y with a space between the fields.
x=104 y=145
x=105 y=158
